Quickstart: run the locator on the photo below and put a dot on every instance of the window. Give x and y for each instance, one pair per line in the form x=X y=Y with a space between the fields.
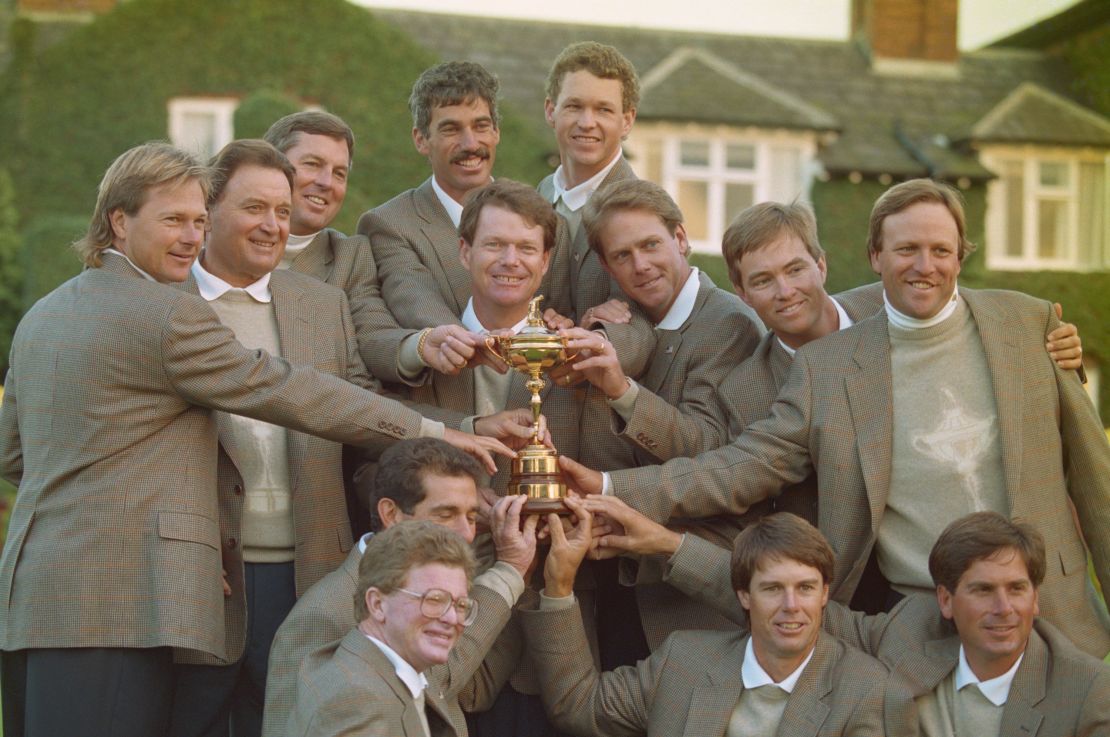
x=1048 y=209
x=202 y=125
x=715 y=172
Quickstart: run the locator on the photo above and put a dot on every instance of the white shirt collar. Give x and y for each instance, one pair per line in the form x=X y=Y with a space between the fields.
x=997 y=690
x=471 y=322
x=843 y=322
x=753 y=675
x=575 y=197
x=123 y=255
x=212 y=287
x=912 y=323
x=415 y=682
x=454 y=209
x=683 y=303
x=362 y=541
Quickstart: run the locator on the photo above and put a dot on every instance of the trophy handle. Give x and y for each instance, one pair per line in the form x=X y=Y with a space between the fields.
x=493 y=345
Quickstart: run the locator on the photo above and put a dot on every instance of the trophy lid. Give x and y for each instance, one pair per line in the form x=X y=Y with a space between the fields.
x=534 y=326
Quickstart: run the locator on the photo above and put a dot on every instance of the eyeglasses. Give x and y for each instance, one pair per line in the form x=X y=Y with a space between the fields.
x=434 y=603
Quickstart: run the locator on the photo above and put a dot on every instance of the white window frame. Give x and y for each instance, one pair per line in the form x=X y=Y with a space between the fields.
x=717 y=174
x=1031 y=157
x=222 y=109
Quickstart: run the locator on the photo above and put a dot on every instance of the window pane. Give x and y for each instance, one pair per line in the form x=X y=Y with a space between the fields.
x=199 y=133
x=1054 y=174
x=1013 y=180
x=740 y=156
x=1093 y=208
x=737 y=197
x=1052 y=216
x=693 y=200
x=786 y=173
x=694 y=153
x=653 y=160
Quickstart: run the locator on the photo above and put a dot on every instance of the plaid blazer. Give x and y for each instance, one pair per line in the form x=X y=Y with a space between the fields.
x=114 y=538
x=324 y=614
x=417 y=251
x=1058 y=691
x=314 y=329
x=691 y=685
x=835 y=413
x=347 y=262
x=751 y=388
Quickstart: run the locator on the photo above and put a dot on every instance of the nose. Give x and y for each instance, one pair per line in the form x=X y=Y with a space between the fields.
x=784 y=288
x=1002 y=603
x=451 y=616
x=923 y=262
x=323 y=176
x=510 y=256
x=464 y=528
x=790 y=599
x=469 y=138
x=586 y=118
x=639 y=261
x=192 y=233
x=270 y=222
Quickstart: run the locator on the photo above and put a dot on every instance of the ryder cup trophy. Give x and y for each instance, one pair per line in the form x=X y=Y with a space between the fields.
x=534 y=351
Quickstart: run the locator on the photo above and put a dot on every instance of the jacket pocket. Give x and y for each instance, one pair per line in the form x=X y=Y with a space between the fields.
x=189 y=527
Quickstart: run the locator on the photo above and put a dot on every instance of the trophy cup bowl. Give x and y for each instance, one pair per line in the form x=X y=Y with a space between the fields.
x=535 y=351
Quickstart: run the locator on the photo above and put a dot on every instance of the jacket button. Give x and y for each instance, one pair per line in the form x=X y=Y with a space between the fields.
x=232 y=543
x=238 y=489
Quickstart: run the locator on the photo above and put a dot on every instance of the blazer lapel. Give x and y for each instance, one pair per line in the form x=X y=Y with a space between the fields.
x=940 y=659
x=1020 y=715
x=870 y=401
x=295 y=341
x=668 y=342
x=436 y=226
x=318 y=258
x=1004 y=361
x=807 y=708
x=358 y=644
x=714 y=698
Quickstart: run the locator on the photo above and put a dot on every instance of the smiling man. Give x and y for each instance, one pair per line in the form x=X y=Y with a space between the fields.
x=788 y=678
x=944 y=403
x=395 y=672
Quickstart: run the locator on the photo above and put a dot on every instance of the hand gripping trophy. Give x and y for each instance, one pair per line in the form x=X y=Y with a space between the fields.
x=535 y=351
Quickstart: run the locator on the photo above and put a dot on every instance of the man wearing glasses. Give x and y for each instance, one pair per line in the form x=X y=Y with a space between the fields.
x=411 y=607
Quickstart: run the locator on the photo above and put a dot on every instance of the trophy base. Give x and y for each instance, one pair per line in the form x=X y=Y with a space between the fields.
x=536 y=474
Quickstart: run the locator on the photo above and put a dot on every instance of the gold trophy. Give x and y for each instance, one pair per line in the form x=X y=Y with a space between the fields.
x=534 y=351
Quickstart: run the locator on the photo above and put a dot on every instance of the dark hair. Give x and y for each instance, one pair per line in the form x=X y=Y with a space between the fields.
x=402 y=467
x=901 y=196
x=980 y=536
x=630 y=194
x=781 y=536
x=514 y=197
x=286 y=132
x=391 y=554
x=600 y=60
x=245 y=152
x=451 y=83
x=760 y=224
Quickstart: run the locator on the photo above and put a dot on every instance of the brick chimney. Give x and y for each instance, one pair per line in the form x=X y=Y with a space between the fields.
x=907 y=30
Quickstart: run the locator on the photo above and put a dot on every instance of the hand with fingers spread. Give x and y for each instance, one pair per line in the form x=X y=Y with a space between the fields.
x=630 y=531
x=479 y=446
x=1064 y=345
x=512 y=426
x=567 y=550
x=597 y=361
x=580 y=480
x=515 y=544
x=614 y=311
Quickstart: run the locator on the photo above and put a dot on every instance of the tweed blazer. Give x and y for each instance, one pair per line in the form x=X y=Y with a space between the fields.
x=353 y=689
x=324 y=614
x=347 y=262
x=834 y=413
x=750 y=389
x=691 y=685
x=1058 y=690
x=579 y=282
x=416 y=247
x=314 y=329
x=105 y=427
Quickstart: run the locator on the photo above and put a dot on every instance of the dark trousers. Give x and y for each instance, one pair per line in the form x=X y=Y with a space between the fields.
x=87 y=692
x=221 y=700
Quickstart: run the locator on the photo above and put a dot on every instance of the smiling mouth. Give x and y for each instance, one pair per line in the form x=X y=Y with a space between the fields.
x=262 y=244
x=473 y=159
x=921 y=285
x=508 y=280
x=316 y=200
x=649 y=283
x=790 y=627
x=791 y=309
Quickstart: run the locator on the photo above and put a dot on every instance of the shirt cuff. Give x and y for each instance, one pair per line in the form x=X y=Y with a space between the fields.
x=503 y=579
x=467 y=425
x=431 y=429
x=555 y=603
x=409 y=363
x=606 y=484
x=625 y=403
